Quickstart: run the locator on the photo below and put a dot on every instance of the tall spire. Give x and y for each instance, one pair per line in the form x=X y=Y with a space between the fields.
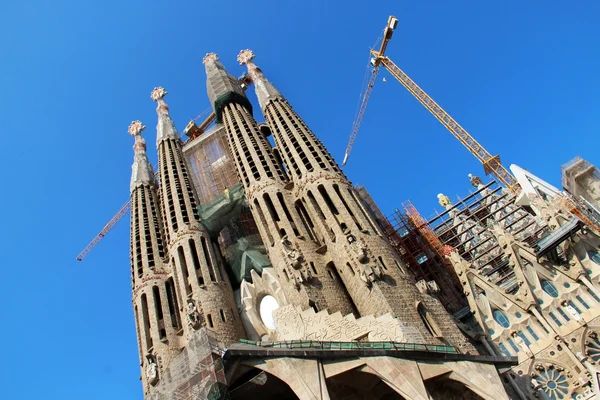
x=141 y=170
x=223 y=88
x=265 y=91
x=165 y=129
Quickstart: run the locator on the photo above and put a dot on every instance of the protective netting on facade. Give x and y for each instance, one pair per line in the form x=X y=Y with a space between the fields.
x=197 y=373
x=212 y=167
x=223 y=208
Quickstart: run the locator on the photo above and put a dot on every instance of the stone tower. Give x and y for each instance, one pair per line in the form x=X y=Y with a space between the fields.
x=154 y=300
x=286 y=229
x=353 y=247
x=202 y=284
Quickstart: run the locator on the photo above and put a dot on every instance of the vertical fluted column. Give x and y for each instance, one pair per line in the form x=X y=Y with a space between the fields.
x=200 y=279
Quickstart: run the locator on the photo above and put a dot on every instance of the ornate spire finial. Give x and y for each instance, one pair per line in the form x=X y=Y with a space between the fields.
x=136 y=128
x=475 y=180
x=210 y=57
x=245 y=56
x=158 y=93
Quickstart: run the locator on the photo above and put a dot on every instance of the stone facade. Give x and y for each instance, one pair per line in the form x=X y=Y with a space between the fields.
x=543 y=308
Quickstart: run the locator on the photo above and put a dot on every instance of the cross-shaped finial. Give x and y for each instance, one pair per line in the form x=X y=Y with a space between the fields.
x=158 y=93
x=210 y=57
x=136 y=128
x=245 y=56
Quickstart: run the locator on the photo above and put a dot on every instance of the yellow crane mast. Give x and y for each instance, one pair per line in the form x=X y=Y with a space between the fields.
x=491 y=164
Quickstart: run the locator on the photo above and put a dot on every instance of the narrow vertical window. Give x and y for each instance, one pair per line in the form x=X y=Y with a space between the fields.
x=146 y=319
x=359 y=203
x=184 y=270
x=556 y=320
x=263 y=220
x=306 y=221
x=532 y=333
x=583 y=303
x=382 y=263
x=172 y=302
x=348 y=209
x=222 y=315
x=196 y=261
x=513 y=345
x=211 y=265
x=574 y=306
x=209 y=320
x=287 y=213
x=504 y=349
x=525 y=339
x=594 y=295
x=159 y=312
x=139 y=330
x=314 y=269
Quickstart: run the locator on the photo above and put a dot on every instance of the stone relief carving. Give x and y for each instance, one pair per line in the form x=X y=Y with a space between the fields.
x=294 y=324
x=151 y=369
x=444 y=200
x=193 y=316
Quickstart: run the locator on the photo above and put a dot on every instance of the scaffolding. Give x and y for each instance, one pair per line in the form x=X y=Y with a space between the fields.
x=464 y=227
x=197 y=373
x=213 y=169
x=424 y=260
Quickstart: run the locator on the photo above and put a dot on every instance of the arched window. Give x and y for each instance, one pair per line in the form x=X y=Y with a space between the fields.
x=595 y=256
x=501 y=318
x=549 y=288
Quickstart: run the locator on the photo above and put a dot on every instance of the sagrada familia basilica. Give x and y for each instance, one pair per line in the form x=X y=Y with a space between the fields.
x=259 y=270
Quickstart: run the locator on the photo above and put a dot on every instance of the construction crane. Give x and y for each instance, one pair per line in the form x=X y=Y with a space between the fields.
x=192 y=131
x=491 y=164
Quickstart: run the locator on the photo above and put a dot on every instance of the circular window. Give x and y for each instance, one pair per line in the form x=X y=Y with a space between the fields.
x=518 y=315
x=268 y=304
x=567 y=285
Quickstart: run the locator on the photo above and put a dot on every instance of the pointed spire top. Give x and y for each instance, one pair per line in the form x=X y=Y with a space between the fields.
x=210 y=57
x=265 y=91
x=245 y=56
x=141 y=170
x=475 y=181
x=165 y=128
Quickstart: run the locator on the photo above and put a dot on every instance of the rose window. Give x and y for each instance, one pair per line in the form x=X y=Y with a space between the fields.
x=553 y=384
x=593 y=348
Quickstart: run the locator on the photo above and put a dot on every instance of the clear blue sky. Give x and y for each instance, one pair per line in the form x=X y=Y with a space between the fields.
x=522 y=77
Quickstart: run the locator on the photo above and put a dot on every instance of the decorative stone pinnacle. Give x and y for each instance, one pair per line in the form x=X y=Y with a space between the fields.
x=158 y=93
x=136 y=128
x=245 y=56
x=210 y=57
